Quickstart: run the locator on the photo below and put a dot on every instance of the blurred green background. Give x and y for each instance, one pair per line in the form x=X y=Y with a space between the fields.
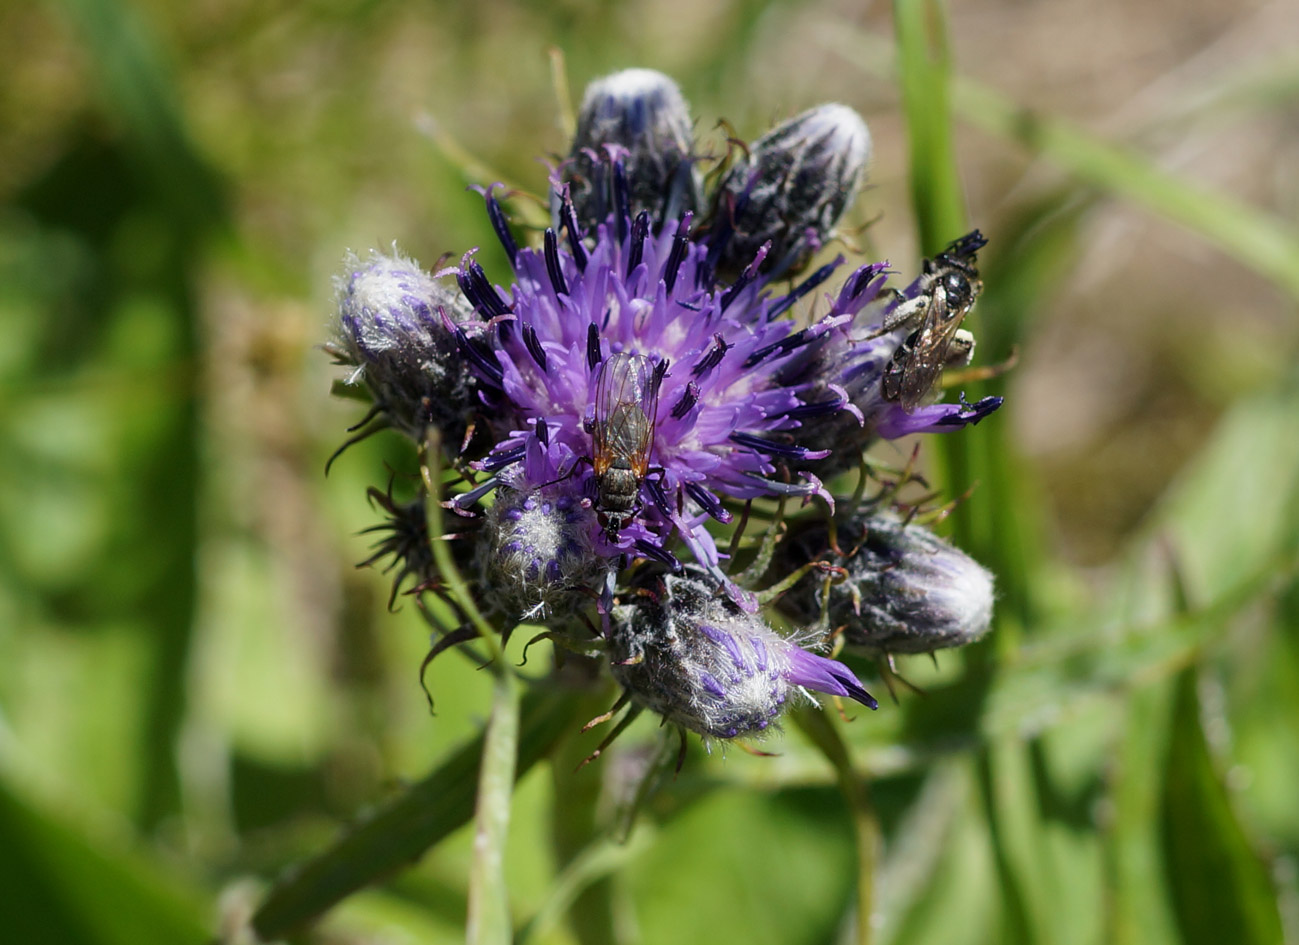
x=198 y=689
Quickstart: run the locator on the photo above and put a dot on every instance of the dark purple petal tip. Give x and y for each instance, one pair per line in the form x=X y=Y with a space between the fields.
x=822 y=674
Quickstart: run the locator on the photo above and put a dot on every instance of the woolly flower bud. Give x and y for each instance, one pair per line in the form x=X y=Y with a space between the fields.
x=536 y=551
x=906 y=590
x=643 y=113
x=390 y=326
x=792 y=188
x=699 y=661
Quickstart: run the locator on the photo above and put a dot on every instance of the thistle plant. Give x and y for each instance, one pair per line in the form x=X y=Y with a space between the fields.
x=663 y=364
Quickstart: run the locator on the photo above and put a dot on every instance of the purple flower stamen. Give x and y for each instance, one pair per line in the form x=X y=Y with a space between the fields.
x=480 y=292
x=502 y=227
x=569 y=218
x=804 y=287
x=481 y=358
x=639 y=232
x=747 y=276
x=553 y=269
x=708 y=502
x=714 y=356
x=533 y=344
x=658 y=497
x=689 y=397
x=772 y=448
x=593 y=354
x=500 y=460
x=680 y=243
x=621 y=199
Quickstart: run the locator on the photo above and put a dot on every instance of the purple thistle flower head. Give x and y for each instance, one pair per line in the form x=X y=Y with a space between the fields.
x=639 y=372
x=699 y=661
x=699 y=411
x=714 y=394
x=905 y=590
x=395 y=325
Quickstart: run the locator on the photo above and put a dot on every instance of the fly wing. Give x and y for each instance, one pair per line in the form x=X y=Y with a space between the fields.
x=626 y=400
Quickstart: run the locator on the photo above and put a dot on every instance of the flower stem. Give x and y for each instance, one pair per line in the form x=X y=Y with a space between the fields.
x=575 y=826
x=822 y=732
x=489 y=901
x=489 y=904
x=430 y=468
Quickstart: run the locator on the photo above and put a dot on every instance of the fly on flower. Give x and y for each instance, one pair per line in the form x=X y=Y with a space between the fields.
x=950 y=285
x=626 y=404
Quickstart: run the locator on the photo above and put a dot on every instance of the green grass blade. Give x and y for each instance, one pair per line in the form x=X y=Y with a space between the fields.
x=924 y=66
x=603 y=858
x=140 y=97
x=1220 y=888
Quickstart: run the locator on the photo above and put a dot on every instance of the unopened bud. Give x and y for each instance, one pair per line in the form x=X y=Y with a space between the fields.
x=643 y=114
x=537 y=552
x=390 y=327
x=791 y=189
x=905 y=589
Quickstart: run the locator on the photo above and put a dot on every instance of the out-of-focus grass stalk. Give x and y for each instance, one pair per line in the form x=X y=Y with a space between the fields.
x=566 y=117
x=530 y=212
x=1266 y=245
x=604 y=857
x=924 y=67
x=923 y=70
x=818 y=728
x=431 y=472
x=489 y=901
x=1008 y=792
x=138 y=97
x=1252 y=237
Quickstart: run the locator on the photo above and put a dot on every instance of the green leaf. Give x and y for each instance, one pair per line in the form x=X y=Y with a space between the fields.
x=1251 y=463
x=1220 y=888
x=744 y=867
x=62 y=888
x=1138 y=910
